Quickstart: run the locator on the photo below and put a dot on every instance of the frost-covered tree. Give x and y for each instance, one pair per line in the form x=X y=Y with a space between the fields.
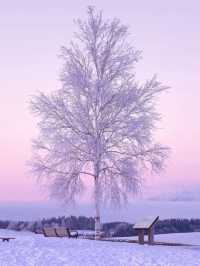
x=100 y=124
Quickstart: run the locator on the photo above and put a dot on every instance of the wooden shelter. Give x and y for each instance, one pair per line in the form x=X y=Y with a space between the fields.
x=146 y=225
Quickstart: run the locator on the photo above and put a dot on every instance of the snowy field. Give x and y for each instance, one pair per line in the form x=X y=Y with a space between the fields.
x=178 y=238
x=35 y=250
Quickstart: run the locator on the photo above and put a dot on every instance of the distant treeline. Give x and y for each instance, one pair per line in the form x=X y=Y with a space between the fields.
x=111 y=229
x=72 y=222
x=162 y=227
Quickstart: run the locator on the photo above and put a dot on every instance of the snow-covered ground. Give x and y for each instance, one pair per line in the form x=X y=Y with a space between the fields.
x=178 y=238
x=35 y=250
x=187 y=238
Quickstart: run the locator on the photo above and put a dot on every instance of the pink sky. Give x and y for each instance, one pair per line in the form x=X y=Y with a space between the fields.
x=31 y=35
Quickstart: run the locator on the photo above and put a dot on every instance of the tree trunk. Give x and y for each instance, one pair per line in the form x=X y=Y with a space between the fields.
x=97 y=210
x=97 y=189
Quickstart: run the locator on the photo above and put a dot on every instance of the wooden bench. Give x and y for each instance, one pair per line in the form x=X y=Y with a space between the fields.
x=59 y=232
x=148 y=226
x=49 y=232
x=66 y=232
x=6 y=238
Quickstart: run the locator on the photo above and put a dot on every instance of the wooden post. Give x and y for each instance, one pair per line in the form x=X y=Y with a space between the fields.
x=151 y=235
x=141 y=236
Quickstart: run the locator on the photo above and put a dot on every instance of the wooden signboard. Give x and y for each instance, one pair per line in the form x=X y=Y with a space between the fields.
x=146 y=225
